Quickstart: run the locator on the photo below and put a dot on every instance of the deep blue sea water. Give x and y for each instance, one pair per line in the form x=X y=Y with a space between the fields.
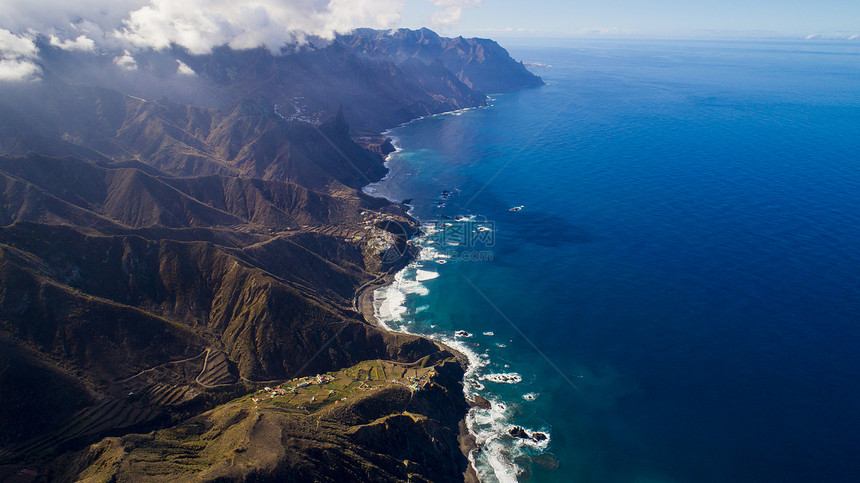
x=681 y=290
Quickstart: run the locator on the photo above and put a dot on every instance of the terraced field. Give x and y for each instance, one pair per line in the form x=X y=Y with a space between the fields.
x=134 y=402
x=166 y=395
x=137 y=402
x=215 y=371
x=108 y=415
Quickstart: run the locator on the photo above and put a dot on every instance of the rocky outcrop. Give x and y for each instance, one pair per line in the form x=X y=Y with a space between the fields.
x=481 y=64
x=520 y=433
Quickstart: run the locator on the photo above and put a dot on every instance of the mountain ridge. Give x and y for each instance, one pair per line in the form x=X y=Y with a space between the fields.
x=166 y=243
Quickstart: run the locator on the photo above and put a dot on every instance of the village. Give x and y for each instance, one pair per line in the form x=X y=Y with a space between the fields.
x=377 y=239
x=314 y=392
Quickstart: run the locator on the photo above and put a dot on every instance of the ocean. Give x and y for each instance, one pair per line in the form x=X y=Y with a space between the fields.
x=653 y=260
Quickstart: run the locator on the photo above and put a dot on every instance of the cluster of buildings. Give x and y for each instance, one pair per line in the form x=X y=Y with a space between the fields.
x=273 y=392
x=412 y=383
x=377 y=238
x=416 y=383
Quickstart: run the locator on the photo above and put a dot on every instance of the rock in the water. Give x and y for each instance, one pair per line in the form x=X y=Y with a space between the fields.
x=538 y=437
x=518 y=432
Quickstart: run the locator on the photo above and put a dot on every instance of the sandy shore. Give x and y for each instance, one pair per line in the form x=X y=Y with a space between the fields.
x=363 y=303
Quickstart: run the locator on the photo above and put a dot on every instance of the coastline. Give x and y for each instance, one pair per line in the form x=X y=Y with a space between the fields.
x=363 y=303
x=363 y=299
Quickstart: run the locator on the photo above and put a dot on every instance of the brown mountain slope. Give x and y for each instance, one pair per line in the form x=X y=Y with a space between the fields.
x=90 y=262
x=25 y=377
x=87 y=194
x=147 y=298
x=124 y=195
x=199 y=285
x=250 y=140
x=104 y=338
x=159 y=259
x=108 y=307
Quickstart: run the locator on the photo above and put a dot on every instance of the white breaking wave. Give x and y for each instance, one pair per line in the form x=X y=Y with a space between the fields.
x=424 y=275
x=430 y=254
x=388 y=305
x=389 y=301
x=489 y=427
x=507 y=378
x=498 y=449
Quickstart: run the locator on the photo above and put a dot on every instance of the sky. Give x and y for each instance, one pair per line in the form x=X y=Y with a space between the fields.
x=124 y=27
x=652 y=18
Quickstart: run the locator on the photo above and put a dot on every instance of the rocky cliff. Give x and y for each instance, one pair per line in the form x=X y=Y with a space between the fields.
x=481 y=64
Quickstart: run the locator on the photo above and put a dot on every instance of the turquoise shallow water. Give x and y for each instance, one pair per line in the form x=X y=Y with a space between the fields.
x=680 y=291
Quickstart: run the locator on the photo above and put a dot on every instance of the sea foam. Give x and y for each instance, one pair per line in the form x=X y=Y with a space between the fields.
x=506 y=378
x=424 y=275
x=495 y=460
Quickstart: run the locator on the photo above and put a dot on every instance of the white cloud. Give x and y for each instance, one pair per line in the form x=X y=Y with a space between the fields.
x=82 y=42
x=450 y=11
x=184 y=69
x=18 y=70
x=200 y=25
x=15 y=45
x=126 y=61
x=66 y=19
x=17 y=55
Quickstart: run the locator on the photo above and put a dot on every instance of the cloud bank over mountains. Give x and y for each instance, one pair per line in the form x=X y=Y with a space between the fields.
x=16 y=57
x=200 y=25
x=123 y=26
